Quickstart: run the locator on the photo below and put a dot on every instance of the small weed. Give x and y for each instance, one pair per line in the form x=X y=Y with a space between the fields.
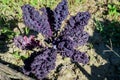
x=26 y=30
x=34 y=2
x=7 y=32
x=99 y=26
x=11 y=8
x=6 y=28
x=18 y=55
x=113 y=11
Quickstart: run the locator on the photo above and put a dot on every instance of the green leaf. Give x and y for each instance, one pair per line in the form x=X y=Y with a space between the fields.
x=109 y=6
x=27 y=30
x=5 y=1
x=24 y=57
x=34 y=2
x=16 y=54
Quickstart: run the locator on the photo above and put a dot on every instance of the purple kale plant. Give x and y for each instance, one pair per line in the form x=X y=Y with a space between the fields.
x=26 y=42
x=48 y=23
x=36 y=21
x=60 y=13
x=74 y=30
x=40 y=63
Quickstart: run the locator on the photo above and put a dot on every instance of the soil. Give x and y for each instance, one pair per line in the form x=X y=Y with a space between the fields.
x=103 y=65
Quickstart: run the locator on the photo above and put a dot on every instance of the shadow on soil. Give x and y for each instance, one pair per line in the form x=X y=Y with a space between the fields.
x=110 y=70
x=6 y=32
